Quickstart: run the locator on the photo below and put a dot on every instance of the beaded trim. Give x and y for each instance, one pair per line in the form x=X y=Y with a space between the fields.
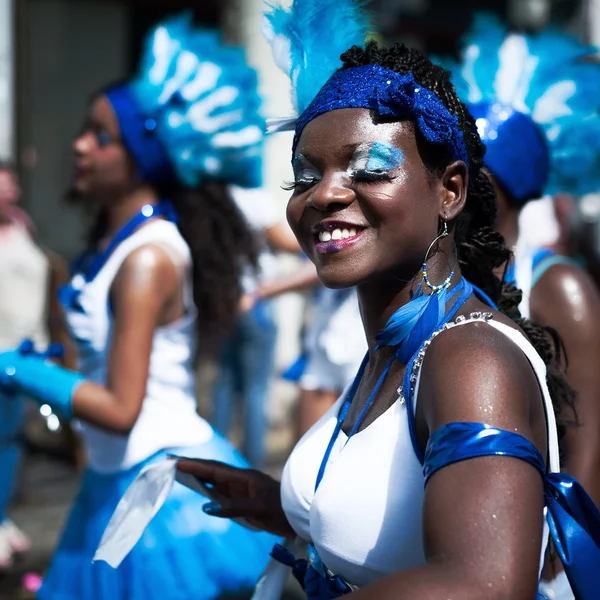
x=416 y=366
x=436 y=288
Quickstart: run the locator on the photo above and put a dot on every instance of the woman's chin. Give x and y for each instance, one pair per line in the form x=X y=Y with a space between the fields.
x=337 y=278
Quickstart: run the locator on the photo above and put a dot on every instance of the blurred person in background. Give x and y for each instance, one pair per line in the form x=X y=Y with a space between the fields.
x=24 y=280
x=535 y=102
x=335 y=345
x=161 y=272
x=247 y=356
x=29 y=279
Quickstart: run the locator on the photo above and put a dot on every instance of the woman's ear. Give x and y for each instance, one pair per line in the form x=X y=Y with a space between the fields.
x=455 y=181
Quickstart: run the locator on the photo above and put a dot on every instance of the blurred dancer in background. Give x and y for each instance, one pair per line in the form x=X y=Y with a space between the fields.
x=335 y=345
x=162 y=269
x=247 y=355
x=535 y=101
x=29 y=278
x=25 y=274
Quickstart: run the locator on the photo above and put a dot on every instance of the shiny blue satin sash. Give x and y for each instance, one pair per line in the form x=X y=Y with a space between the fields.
x=573 y=518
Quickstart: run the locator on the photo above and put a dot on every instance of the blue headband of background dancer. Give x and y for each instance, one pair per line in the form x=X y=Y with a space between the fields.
x=389 y=94
x=516 y=151
x=139 y=136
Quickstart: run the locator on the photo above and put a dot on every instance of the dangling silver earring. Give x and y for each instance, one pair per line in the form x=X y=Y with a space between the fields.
x=436 y=289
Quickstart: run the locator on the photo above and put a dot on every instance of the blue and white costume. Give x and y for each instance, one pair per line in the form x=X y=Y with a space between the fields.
x=357 y=498
x=360 y=486
x=191 y=114
x=183 y=553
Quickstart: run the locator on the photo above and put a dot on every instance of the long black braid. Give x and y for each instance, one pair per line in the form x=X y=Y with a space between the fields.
x=480 y=249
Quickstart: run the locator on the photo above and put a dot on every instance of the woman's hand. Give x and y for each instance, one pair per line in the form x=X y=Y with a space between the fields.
x=245 y=493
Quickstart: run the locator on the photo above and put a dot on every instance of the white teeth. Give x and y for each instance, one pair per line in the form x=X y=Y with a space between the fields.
x=336 y=234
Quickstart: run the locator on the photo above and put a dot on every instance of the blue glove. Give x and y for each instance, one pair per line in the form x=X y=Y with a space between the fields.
x=34 y=375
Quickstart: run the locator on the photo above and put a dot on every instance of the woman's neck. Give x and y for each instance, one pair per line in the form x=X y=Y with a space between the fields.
x=379 y=300
x=121 y=211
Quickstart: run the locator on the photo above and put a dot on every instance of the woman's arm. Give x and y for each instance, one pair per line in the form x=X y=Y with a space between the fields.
x=482 y=519
x=566 y=299
x=141 y=298
x=280 y=237
x=305 y=277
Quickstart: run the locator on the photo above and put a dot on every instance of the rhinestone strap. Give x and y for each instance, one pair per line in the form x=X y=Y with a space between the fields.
x=416 y=366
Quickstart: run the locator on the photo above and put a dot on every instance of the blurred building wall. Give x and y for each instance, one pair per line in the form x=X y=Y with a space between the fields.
x=6 y=79
x=67 y=50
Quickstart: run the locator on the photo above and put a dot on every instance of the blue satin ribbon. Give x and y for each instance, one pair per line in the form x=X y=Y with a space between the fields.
x=573 y=518
x=69 y=294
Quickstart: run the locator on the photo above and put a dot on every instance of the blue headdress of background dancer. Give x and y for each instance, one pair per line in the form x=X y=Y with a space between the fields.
x=319 y=87
x=193 y=110
x=535 y=101
x=191 y=114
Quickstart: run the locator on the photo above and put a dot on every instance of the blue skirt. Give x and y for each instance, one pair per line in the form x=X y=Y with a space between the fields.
x=184 y=554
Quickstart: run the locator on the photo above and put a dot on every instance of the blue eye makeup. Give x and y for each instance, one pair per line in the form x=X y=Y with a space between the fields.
x=103 y=138
x=374 y=162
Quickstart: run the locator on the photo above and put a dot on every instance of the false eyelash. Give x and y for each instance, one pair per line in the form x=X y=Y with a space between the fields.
x=291 y=186
x=371 y=176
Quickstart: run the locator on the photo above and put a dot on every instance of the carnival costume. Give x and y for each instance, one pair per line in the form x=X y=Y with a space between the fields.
x=534 y=99
x=348 y=496
x=191 y=114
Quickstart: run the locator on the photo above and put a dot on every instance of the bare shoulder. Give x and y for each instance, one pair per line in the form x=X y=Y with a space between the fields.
x=564 y=288
x=473 y=372
x=147 y=269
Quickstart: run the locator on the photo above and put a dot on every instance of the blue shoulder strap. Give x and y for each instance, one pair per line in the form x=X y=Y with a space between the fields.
x=542 y=266
x=573 y=518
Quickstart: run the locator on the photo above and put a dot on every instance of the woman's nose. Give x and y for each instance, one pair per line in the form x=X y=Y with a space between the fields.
x=331 y=191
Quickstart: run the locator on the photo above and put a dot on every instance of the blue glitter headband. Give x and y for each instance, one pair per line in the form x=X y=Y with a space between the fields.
x=389 y=94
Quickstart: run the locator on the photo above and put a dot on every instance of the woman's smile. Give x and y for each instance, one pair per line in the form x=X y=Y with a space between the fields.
x=334 y=236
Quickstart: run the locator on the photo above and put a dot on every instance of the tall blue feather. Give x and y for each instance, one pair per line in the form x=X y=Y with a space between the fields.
x=318 y=32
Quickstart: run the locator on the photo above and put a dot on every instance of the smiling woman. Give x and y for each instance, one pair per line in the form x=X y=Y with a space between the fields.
x=429 y=476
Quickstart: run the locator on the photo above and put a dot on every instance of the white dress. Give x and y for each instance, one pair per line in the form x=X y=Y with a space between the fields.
x=365 y=519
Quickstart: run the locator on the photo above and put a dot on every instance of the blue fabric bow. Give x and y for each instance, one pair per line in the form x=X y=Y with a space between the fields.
x=573 y=518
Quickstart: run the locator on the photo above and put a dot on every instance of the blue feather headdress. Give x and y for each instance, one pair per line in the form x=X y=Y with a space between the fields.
x=307 y=40
x=535 y=100
x=193 y=110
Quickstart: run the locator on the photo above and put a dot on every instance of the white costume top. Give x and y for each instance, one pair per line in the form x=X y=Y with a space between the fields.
x=365 y=520
x=24 y=275
x=168 y=418
x=538 y=228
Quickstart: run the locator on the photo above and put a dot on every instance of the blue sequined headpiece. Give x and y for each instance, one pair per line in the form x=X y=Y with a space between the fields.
x=516 y=150
x=392 y=95
x=193 y=110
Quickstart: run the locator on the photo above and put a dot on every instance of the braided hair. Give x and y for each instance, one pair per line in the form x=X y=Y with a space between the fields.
x=480 y=249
